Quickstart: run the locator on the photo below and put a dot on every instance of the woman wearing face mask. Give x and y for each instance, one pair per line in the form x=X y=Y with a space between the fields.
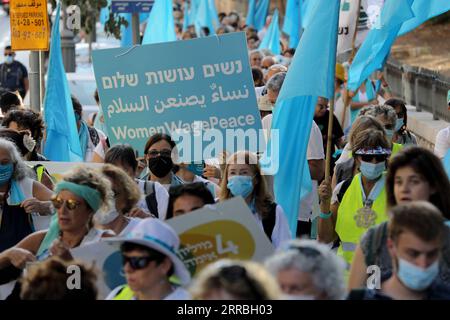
x=21 y=197
x=158 y=153
x=414 y=174
x=402 y=135
x=357 y=203
x=242 y=177
x=126 y=195
x=308 y=270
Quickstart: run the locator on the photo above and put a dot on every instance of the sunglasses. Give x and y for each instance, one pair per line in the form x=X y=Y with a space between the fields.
x=155 y=153
x=70 y=204
x=137 y=263
x=9 y=54
x=370 y=157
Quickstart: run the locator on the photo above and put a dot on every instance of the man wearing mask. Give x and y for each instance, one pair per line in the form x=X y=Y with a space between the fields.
x=13 y=74
x=416 y=236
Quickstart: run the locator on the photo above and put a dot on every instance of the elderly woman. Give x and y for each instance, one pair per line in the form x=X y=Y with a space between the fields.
x=150 y=263
x=234 y=280
x=20 y=196
x=308 y=270
x=127 y=195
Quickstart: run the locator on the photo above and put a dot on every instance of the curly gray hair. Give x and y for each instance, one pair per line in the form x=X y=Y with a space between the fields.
x=21 y=170
x=326 y=269
x=380 y=110
x=276 y=82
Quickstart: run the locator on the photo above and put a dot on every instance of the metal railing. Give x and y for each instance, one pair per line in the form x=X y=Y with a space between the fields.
x=420 y=87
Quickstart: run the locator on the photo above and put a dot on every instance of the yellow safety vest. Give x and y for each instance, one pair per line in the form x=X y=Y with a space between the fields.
x=125 y=294
x=396 y=147
x=346 y=228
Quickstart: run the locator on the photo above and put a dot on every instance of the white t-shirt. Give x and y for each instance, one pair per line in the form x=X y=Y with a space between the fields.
x=442 y=143
x=315 y=152
x=206 y=182
x=259 y=91
x=178 y=294
x=339 y=112
x=281 y=231
x=162 y=198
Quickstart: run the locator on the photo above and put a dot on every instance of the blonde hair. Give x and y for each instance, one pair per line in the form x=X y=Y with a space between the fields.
x=263 y=199
x=86 y=176
x=244 y=280
x=126 y=184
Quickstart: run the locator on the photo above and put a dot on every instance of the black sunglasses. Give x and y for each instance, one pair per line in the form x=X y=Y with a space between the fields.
x=9 y=54
x=370 y=157
x=137 y=263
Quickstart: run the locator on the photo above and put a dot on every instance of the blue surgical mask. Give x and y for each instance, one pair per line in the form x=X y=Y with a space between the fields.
x=389 y=134
x=240 y=185
x=414 y=277
x=6 y=172
x=399 y=124
x=9 y=59
x=196 y=168
x=372 y=171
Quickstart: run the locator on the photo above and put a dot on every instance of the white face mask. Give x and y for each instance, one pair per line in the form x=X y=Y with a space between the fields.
x=104 y=218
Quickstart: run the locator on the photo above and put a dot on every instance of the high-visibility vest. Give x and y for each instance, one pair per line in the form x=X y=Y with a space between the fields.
x=346 y=228
x=125 y=294
x=396 y=147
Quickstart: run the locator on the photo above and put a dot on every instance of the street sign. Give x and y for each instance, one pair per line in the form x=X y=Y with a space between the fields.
x=132 y=6
x=29 y=25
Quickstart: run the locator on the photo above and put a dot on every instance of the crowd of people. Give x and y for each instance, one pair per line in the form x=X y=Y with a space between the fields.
x=385 y=206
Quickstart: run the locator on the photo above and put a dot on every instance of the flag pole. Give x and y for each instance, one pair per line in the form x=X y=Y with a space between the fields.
x=347 y=96
x=331 y=115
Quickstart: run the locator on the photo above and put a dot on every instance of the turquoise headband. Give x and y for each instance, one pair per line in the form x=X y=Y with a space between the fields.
x=90 y=195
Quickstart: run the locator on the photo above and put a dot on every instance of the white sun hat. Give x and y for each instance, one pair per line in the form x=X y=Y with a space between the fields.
x=159 y=236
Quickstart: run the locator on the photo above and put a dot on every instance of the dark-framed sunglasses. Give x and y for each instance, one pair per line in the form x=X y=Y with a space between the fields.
x=370 y=157
x=70 y=204
x=137 y=263
x=155 y=153
x=9 y=54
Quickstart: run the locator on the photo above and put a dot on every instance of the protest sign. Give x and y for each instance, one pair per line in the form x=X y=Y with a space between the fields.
x=58 y=169
x=29 y=25
x=225 y=230
x=107 y=258
x=199 y=91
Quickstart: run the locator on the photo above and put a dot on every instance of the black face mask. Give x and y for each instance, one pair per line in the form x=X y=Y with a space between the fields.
x=160 y=166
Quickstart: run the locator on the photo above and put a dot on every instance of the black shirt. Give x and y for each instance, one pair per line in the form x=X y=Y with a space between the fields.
x=12 y=77
x=322 y=123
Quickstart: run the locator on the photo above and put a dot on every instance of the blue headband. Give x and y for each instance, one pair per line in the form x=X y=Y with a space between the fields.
x=90 y=195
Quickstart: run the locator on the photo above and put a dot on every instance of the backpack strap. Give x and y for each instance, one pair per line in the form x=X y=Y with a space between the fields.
x=150 y=198
x=374 y=244
x=344 y=188
x=269 y=221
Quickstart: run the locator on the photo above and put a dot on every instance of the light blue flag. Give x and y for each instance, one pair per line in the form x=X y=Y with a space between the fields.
x=257 y=13
x=311 y=75
x=160 y=23
x=104 y=13
x=271 y=39
x=446 y=161
x=292 y=23
x=126 y=33
x=215 y=15
x=377 y=45
x=423 y=11
x=193 y=11
x=62 y=143
x=205 y=18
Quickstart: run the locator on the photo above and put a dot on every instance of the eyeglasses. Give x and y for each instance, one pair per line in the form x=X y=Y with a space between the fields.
x=137 y=263
x=370 y=157
x=70 y=203
x=163 y=153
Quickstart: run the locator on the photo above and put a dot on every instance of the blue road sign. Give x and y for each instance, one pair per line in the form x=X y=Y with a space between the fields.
x=132 y=6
